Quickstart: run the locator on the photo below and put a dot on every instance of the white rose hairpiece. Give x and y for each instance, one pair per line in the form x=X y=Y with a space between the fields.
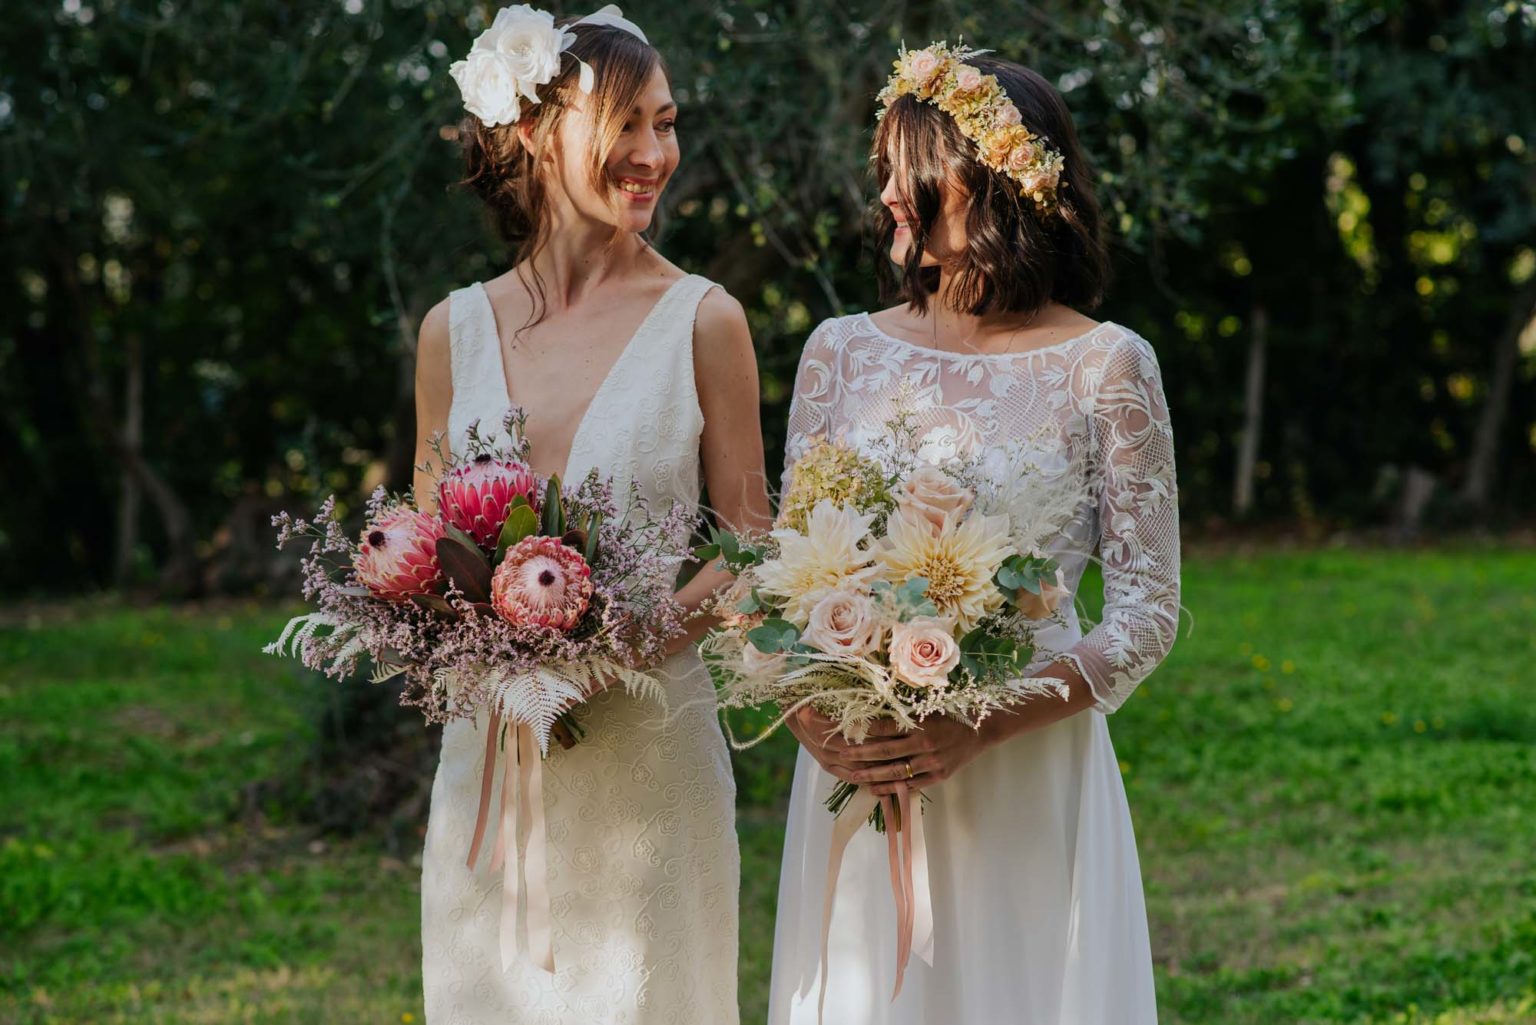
x=939 y=74
x=520 y=52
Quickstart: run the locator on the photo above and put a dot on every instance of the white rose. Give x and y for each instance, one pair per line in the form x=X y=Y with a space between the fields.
x=923 y=651
x=844 y=623
x=932 y=496
x=757 y=663
x=489 y=90
x=508 y=62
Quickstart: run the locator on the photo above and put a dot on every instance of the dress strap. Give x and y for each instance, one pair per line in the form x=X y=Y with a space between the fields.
x=669 y=327
x=474 y=351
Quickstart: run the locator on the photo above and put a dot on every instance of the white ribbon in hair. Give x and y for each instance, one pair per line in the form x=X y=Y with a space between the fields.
x=613 y=18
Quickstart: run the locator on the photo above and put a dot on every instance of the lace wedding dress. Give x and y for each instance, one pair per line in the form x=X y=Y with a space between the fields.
x=643 y=863
x=1038 y=911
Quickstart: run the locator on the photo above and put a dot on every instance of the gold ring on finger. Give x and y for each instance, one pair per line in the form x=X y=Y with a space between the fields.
x=910 y=773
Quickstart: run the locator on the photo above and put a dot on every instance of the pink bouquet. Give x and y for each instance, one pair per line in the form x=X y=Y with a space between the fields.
x=518 y=598
x=517 y=595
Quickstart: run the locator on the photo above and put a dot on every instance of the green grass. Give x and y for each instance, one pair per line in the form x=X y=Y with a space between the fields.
x=1332 y=780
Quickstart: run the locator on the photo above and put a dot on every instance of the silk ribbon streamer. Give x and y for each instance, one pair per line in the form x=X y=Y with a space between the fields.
x=525 y=873
x=907 y=855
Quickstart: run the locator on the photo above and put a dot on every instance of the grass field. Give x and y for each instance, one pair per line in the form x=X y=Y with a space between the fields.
x=1333 y=781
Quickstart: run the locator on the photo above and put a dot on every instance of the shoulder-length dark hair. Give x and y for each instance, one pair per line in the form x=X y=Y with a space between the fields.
x=1016 y=259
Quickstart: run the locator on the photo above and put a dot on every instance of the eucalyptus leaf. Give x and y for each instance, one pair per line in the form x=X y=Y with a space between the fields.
x=773 y=636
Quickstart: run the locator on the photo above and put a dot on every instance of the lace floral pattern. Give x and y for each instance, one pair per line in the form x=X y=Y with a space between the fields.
x=644 y=868
x=1088 y=413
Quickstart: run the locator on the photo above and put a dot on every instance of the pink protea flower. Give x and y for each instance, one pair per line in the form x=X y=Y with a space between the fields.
x=477 y=496
x=542 y=582
x=399 y=554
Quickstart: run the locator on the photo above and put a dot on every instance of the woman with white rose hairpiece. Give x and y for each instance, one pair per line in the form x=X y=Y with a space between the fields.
x=989 y=220
x=624 y=364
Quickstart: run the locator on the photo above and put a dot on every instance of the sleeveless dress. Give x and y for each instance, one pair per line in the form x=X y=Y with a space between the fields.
x=1039 y=917
x=643 y=862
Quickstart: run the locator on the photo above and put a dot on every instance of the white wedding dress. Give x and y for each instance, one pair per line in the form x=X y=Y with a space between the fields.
x=643 y=863
x=1038 y=911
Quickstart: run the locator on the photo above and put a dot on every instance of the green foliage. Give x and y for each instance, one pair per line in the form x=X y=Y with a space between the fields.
x=734 y=553
x=521 y=522
x=982 y=654
x=774 y=635
x=466 y=568
x=909 y=600
x=248 y=207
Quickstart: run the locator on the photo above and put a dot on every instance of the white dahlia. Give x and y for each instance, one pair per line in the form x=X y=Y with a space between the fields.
x=832 y=553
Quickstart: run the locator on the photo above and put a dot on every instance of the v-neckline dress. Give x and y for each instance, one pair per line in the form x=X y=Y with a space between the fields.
x=643 y=862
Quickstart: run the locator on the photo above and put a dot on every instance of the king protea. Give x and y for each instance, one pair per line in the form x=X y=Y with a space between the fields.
x=477 y=496
x=398 y=556
x=542 y=582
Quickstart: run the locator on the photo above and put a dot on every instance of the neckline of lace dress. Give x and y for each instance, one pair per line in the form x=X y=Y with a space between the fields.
x=970 y=357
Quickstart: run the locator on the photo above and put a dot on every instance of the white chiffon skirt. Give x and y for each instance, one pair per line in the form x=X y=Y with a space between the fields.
x=1039 y=917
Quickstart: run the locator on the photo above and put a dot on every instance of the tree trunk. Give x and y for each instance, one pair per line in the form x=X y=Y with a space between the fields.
x=130 y=494
x=179 y=576
x=1253 y=412
x=1483 y=465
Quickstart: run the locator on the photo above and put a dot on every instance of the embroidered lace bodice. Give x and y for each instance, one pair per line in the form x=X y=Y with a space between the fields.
x=1085 y=418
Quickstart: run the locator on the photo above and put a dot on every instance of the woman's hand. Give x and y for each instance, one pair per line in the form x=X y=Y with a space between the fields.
x=891 y=761
x=819 y=736
x=923 y=758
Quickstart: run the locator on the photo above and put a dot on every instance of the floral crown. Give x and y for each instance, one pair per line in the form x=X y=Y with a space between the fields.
x=520 y=52
x=939 y=74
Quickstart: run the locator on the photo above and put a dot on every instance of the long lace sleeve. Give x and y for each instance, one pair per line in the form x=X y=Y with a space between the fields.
x=815 y=395
x=1138 y=514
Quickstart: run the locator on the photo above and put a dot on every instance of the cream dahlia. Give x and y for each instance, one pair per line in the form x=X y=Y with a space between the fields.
x=542 y=582
x=477 y=496
x=957 y=562
x=832 y=553
x=398 y=556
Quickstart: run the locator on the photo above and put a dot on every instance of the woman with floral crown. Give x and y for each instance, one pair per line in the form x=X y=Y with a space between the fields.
x=625 y=365
x=1032 y=905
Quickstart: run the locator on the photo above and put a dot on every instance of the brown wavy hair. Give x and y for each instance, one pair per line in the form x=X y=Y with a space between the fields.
x=1016 y=259
x=504 y=173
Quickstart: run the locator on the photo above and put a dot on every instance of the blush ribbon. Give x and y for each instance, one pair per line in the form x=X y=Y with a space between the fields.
x=525 y=873
x=907 y=857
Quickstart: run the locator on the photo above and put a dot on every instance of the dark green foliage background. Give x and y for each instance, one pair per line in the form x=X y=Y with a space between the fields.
x=252 y=203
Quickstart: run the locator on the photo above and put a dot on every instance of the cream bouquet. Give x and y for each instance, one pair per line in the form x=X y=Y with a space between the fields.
x=885 y=591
